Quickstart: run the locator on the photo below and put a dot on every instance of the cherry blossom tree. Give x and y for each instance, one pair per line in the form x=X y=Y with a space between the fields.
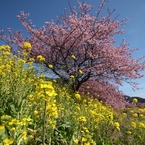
x=80 y=48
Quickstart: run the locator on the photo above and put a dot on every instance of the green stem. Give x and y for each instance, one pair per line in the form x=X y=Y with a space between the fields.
x=44 y=121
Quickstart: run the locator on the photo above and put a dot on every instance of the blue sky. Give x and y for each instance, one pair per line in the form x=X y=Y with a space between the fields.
x=45 y=10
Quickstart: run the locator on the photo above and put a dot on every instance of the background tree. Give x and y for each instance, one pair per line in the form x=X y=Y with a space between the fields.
x=80 y=47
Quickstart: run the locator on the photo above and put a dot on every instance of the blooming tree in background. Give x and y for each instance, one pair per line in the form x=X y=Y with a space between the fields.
x=80 y=48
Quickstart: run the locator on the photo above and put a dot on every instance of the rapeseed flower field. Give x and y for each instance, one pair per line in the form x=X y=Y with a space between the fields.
x=35 y=110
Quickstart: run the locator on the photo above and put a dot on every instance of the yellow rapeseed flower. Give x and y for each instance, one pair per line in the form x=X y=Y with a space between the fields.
x=84 y=139
x=31 y=136
x=26 y=119
x=46 y=86
x=31 y=59
x=133 y=124
x=6 y=53
x=7 y=47
x=135 y=115
x=16 y=122
x=76 y=141
x=24 y=133
x=13 y=129
x=21 y=61
x=80 y=71
x=5 y=117
x=82 y=119
x=117 y=125
x=140 y=110
x=135 y=100
x=35 y=112
x=50 y=66
x=27 y=46
x=78 y=96
x=71 y=76
x=131 y=111
x=73 y=57
x=129 y=132
x=25 y=139
x=85 y=129
x=10 y=123
x=41 y=58
x=141 y=125
x=141 y=115
x=8 y=141
x=2 y=127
